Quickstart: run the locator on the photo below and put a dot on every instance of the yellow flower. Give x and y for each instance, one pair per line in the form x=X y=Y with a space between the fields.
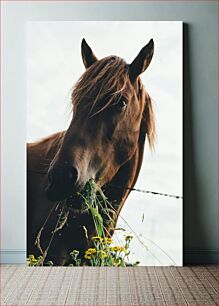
x=97 y=239
x=122 y=249
x=118 y=249
x=91 y=251
x=102 y=254
x=108 y=240
x=87 y=256
x=128 y=237
x=31 y=257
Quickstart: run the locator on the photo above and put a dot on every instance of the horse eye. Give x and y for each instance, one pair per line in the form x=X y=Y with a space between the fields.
x=121 y=105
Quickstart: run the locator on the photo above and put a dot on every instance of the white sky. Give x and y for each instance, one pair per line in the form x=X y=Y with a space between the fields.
x=54 y=64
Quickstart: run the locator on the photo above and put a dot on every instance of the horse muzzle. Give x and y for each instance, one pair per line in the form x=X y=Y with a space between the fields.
x=61 y=186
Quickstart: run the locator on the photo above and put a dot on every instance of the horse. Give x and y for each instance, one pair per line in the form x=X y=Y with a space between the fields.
x=111 y=119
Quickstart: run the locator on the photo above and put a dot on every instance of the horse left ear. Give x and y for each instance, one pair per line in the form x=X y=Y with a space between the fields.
x=87 y=54
x=142 y=61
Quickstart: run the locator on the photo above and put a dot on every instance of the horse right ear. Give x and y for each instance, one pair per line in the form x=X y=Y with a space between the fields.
x=142 y=61
x=87 y=54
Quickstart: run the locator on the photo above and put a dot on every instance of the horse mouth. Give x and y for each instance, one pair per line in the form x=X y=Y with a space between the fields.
x=76 y=204
x=73 y=200
x=81 y=202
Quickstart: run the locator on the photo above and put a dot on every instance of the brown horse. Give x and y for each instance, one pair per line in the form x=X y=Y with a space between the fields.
x=112 y=114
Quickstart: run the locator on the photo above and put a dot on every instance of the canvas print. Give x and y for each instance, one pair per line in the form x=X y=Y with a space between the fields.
x=104 y=143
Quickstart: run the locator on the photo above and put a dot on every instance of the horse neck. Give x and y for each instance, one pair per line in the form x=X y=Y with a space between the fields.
x=119 y=188
x=41 y=153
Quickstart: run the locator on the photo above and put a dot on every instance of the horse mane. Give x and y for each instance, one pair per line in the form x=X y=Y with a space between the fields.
x=148 y=116
x=49 y=143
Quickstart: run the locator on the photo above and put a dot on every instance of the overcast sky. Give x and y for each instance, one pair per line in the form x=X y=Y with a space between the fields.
x=54 y=64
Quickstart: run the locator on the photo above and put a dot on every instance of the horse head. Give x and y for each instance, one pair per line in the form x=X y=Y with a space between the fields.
x=110 y=110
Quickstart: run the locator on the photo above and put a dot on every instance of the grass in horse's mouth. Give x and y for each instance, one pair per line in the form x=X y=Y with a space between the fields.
x=81 y=202
x=92 y=200
x=76 y=205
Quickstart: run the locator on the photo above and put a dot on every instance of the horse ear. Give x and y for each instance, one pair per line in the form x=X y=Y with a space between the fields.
x=87 y=54
x=142 y=61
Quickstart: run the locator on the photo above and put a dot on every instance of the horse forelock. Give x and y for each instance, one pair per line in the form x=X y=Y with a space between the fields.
x=105 y=82
x=100 y=85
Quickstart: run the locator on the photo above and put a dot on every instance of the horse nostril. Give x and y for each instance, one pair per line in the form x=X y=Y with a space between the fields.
x=73 y=175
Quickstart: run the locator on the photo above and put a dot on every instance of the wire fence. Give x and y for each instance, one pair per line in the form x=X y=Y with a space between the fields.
x=131 y=189
x=157 y=193
x=149 y=191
